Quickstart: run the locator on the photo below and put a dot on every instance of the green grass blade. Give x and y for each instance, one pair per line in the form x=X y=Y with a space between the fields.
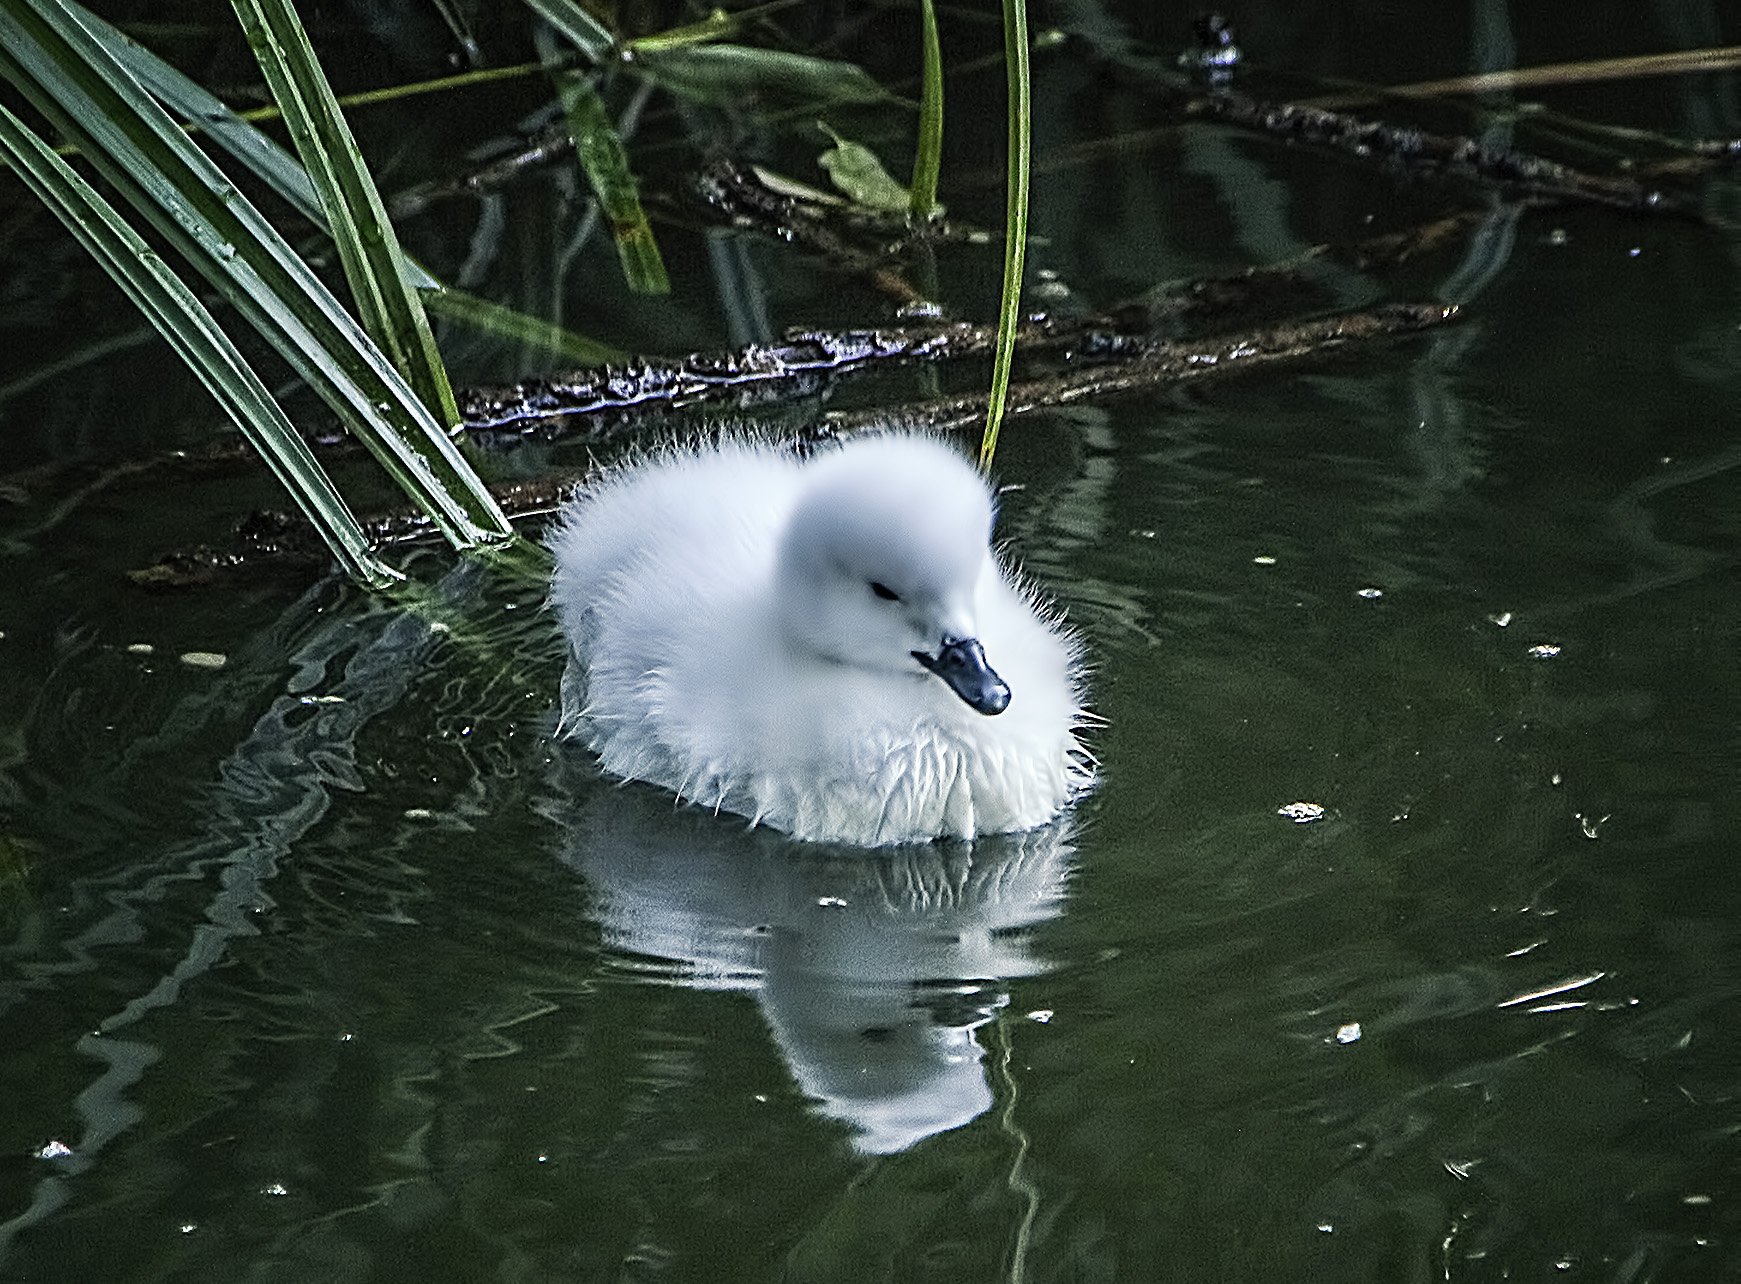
x=606 y=163
x=717 y=24
x=1015 y=13
x=496 y=318
x=928 y=156
x=279 y=169
x=744 y=76
x=96 y=104
x=367 y=244
x=252 y=147
x=180 y=317
x=275 y=165
x=585 y=32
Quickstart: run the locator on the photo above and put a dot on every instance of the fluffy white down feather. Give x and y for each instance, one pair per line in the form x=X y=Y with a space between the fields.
x=735 y=641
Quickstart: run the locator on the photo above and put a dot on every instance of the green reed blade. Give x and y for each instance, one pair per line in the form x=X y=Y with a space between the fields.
x=251 y=146
x=858 y=172
x=606 y=162
x=1015 y=13
x=180 y=317
x=368 y=247
x=69 y=77
x=585 y=32
x=271 y=162
x=928 y=156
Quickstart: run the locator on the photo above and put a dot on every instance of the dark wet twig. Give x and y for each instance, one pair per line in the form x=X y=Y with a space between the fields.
x=282 y=540
x=1218 y=304
x=594 y=403
x=1514 y=173
x=598 y=404
x=1162 y=365
x=285 y=542
x=1517 y=173
x=544 y=147
x=602 y=403
x=740 y=197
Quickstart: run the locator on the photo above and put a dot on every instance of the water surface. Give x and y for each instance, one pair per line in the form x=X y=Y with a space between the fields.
x=331 y=964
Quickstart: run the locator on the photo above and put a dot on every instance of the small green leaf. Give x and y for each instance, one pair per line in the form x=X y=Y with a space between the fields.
x=855 y=170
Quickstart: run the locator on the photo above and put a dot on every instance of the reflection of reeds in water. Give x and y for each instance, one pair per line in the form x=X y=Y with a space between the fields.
x=874 y=971
x=273 y=789
x=14 y=870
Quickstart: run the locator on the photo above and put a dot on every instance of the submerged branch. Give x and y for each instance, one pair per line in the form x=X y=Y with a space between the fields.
x=1163 y=365
x=1433 y=155
x=279 y=539
x=601 y=403
x=595 y=404
x=742 y=197
x=489 y=174
x=1679 y=63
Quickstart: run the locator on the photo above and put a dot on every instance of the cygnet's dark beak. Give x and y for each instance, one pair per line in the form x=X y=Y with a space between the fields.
x=961 y=663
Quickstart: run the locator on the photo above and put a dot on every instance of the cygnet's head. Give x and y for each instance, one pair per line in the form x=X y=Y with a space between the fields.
x=884 y=561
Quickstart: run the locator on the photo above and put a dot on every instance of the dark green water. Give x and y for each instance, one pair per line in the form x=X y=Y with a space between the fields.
x=329 y=965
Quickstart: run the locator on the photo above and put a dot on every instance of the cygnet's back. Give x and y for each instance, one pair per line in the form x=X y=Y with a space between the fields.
x=826 y=646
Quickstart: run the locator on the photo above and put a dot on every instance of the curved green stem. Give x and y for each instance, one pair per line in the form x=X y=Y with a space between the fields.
x=1015 y=14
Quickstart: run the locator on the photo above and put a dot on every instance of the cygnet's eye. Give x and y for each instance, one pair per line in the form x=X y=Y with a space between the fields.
x=884 y=591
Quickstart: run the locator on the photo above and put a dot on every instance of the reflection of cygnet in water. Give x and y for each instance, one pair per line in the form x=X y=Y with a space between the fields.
x=873 y=970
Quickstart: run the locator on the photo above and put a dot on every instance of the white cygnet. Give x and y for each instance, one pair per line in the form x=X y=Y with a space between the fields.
x=827 y=646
